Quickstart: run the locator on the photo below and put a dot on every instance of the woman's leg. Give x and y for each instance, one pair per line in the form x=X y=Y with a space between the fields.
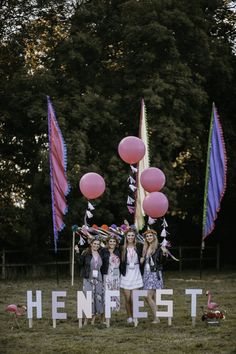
x=128 y=302
x=152 y=302
x=135 y=320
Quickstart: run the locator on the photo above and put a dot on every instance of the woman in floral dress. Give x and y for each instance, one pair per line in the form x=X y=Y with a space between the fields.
x=110 y=267
x=152 y=258
x=90 y=262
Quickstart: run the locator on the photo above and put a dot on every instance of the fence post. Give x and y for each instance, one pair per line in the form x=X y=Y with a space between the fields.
x=3 y=264
x=180 y=258
x=70 y=260
x=218 y=256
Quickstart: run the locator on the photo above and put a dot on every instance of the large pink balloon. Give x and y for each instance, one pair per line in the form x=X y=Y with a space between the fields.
x=155 y=204
x=92 y=185
x=131 y=149
x=152 y=179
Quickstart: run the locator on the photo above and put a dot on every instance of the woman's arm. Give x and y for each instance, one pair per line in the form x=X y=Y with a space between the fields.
x=79 y=257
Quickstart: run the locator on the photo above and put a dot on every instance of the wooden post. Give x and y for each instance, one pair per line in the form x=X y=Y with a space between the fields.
x=180 y=258
x=73 y=259
x=135 y=320
x=30 y=322
x=3 y=264
x=80 y=322
x=70 y=260
x=107 y=322
x=218 y=256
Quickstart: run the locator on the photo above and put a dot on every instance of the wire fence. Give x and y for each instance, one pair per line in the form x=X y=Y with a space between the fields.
x=16 y=263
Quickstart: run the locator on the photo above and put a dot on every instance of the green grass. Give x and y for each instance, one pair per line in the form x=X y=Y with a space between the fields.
x=181 y=337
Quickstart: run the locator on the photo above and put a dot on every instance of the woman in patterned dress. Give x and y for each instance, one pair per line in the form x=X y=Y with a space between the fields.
x=110 y=267
x=152 y=258
x=90 y=262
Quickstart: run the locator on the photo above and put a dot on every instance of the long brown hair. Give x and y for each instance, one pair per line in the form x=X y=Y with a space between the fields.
x=88 y=250
x=125 y=242
x=153 y=245
x=112 y=237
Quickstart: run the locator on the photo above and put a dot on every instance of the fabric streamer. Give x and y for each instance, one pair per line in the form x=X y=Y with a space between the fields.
x=216 y=170
x=142 y=165
x=58 y=178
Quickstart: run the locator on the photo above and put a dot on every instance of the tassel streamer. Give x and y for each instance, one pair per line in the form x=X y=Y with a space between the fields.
x=134 y=169
x=90 y=206
x=131 y=209
x=89 y=214
x=130 y=200
x=151 y=221
x=133 y=188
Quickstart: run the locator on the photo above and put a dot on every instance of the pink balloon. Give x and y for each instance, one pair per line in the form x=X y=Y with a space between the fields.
x=152 y=179
x=155 y=204
x=92 y=185
x=131 y=149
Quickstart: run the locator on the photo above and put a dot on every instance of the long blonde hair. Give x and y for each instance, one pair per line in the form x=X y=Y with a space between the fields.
x=153 y=245
x=125 y=242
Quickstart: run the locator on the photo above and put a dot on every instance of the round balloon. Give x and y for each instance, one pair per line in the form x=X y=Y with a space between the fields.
x=152 y=179
x=155 y=204
x=92 y=185
x=131 y=149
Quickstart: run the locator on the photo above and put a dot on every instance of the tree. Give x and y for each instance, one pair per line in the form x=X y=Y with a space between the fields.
x=24 y=85
x=96 y=67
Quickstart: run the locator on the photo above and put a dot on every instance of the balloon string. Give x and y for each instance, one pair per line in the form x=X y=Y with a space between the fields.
x=85 y=219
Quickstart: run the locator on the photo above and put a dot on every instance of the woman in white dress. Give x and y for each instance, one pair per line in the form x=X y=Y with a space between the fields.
x=131 y=278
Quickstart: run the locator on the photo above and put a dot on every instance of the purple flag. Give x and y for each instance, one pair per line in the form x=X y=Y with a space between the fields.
x=216 y=170
x=59 y=184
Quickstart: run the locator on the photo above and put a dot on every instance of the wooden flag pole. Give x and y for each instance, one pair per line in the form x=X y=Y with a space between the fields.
x=73 y=259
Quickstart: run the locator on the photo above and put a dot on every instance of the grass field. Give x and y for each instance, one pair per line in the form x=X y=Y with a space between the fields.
x=181 y=337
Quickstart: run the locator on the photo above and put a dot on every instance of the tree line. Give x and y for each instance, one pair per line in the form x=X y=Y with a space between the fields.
x=96 y=60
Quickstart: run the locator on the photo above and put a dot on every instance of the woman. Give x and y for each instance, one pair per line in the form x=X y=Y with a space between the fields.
x=110 y=266
x=152 y=258
x=131 y=278
x=90 y=262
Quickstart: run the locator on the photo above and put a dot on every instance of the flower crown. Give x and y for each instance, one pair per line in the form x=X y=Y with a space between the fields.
x=113 y=236
x=151 y=231
x=97 y=238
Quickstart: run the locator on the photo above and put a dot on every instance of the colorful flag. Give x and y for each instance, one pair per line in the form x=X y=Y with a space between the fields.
x=59 y=184
x=142 y=165
x=216 y=170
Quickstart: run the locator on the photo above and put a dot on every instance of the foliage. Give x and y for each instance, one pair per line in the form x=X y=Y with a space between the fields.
x=96 y=59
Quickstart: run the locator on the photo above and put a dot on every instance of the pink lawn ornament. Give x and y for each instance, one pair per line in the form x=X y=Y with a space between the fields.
x=210 y=304
x=152 y=179
x=155 y=204
x=131 y=149
x=92 y=185
x=15 y=311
